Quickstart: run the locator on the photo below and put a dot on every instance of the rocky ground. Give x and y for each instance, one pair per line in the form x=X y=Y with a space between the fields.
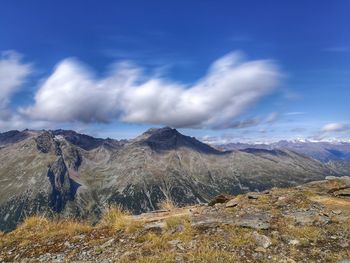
x=309 y=223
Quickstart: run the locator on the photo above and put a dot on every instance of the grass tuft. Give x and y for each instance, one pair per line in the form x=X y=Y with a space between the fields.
x=167 y=204
x=115 y=217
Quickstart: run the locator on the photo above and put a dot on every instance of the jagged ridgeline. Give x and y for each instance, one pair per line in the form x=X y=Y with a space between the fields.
x=69 y=174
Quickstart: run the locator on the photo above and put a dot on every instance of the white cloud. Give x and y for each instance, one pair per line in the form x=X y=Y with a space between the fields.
x=12 y=75
x=72 y=93
x=334 y=127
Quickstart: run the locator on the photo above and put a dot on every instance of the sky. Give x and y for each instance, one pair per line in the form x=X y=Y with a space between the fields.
x=223 y=71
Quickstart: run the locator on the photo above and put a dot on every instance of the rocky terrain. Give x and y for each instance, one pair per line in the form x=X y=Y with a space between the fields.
x=64 y=173
x=308 y=223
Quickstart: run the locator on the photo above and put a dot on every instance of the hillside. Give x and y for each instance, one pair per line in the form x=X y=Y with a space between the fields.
x=319 y=150
x=70 y=174
x=309 y=223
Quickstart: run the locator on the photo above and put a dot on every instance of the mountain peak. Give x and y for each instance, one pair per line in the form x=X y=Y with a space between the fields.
x=165 y=129
x=167 y=138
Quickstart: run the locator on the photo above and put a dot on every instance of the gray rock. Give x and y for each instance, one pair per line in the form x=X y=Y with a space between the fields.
x=255 y=221
x=262 y=240
x=343 y=192
x=232 y=203
x=294 y=242
x=157 y=226
x=108 y=243
x=337 y=212
x=330 y=177
x=309 y=218
x=253 y=195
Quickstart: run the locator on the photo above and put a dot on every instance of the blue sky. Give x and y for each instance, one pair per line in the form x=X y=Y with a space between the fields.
x=116 y=68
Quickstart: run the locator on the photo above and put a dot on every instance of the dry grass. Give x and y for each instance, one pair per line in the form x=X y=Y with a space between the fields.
x=41 y=227
x=173 y=222
x=206 y=253
x=310 y=233
x=239 y=236
x=118 y=218
x=167 y=204
x=115 y=217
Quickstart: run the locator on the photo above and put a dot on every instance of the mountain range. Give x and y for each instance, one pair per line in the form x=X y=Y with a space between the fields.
x=64 y=173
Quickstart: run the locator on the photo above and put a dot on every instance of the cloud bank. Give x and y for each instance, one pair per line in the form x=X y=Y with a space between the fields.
x=72 y=93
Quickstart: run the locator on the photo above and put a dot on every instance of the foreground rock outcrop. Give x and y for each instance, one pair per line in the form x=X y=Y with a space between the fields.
x=308 y=223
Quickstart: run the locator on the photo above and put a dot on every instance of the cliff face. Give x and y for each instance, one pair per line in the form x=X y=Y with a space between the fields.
x=69 y=174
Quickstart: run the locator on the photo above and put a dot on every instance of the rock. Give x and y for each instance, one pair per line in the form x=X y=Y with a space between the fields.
x=179 y=259
x=219 y=205
x=157 y=226
x=330 y=177
x=260 y=249
x=179 y=246
x=262 y=240
x=232 y=203
x=343 y=192
x=294 y=242
x=255 y=221
x=174 y=243
x=344 y=244
x=220 y=199
x=337 y=212
x=211 y=221
x=306 y=218
x=108 y=243
x=253 y=195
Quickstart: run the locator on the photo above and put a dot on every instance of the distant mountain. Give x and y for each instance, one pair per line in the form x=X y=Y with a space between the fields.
x=65 y=173
x=322 y=151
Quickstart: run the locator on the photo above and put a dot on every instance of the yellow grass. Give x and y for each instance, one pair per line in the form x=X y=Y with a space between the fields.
x=167 y=204
x=115 y=217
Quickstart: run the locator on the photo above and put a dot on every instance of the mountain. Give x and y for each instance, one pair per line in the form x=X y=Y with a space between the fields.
x=322 y=151
x=64 y=173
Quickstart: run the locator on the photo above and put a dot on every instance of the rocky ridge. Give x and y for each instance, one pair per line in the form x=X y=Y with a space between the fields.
x=308 y=223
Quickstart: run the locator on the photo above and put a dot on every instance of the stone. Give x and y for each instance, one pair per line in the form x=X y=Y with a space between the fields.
x=179 y=259
x=255 y=221
x=108 y=243
x=294 y=242
x=155 y=226
x=220 y=199
x=307 y=218
x=262 y=240
x=260 y=249
x=174 y=243
x=337 y=212
x=343 y=192
x=253 y=195
x=330 y=177
x=232 y=203
x=344 y=244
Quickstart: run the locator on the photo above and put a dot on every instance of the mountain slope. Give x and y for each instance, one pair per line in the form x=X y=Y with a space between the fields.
x=322 y=151
x=68 y=174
